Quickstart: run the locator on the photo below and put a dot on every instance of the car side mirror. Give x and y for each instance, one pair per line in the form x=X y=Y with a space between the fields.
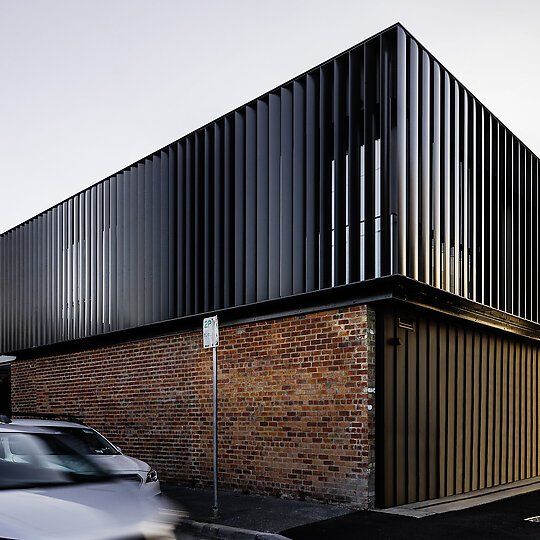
x=119 y=449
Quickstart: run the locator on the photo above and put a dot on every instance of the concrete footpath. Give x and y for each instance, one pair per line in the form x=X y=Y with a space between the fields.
x=245 y=516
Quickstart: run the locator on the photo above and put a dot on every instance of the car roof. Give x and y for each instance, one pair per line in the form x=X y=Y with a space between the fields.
x=14 y=428
x=46 y=423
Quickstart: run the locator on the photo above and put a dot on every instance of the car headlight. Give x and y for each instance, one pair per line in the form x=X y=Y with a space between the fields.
x=151 y=476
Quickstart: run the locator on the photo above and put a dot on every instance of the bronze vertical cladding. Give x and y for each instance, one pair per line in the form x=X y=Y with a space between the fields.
x=460 y=407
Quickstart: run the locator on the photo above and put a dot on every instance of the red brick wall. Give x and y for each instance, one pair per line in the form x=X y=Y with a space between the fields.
x=293 y=401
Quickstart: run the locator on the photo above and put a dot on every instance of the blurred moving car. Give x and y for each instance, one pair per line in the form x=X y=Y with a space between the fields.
x=105 y=454
x=50 y=491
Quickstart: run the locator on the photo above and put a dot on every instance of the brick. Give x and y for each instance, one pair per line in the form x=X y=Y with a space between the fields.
x=292 y=403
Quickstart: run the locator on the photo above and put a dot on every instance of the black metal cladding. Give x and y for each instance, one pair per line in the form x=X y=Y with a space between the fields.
x=467 y=191
x=377 y=162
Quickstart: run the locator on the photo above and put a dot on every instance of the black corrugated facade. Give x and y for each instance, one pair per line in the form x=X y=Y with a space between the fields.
x=282 y=196
x=378 y=162
x=375 y=165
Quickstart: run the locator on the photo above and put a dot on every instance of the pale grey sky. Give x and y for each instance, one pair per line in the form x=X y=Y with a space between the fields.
x=90 y=86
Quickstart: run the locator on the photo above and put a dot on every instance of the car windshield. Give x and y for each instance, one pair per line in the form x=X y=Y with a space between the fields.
x=42 y=459
x=88 y=441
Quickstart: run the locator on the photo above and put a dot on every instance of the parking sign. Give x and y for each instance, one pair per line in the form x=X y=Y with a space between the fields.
x=210 y=332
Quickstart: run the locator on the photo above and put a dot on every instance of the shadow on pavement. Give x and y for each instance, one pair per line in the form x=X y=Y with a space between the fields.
x=247 y=511
x=497 y=520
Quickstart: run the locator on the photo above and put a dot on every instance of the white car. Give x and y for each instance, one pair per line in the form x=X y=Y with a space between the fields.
x=105 y=454
x=50 y=491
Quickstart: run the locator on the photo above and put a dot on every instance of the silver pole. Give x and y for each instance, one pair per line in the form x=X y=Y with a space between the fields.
x=215 y=507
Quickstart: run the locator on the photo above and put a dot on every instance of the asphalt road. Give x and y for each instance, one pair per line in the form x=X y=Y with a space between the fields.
x=503 y=519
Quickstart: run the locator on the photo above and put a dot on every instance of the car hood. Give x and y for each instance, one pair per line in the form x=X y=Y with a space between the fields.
x=120 y=463
x=88 y=511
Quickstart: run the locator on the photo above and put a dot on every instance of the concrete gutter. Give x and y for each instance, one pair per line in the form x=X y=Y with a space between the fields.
x=215 y=531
